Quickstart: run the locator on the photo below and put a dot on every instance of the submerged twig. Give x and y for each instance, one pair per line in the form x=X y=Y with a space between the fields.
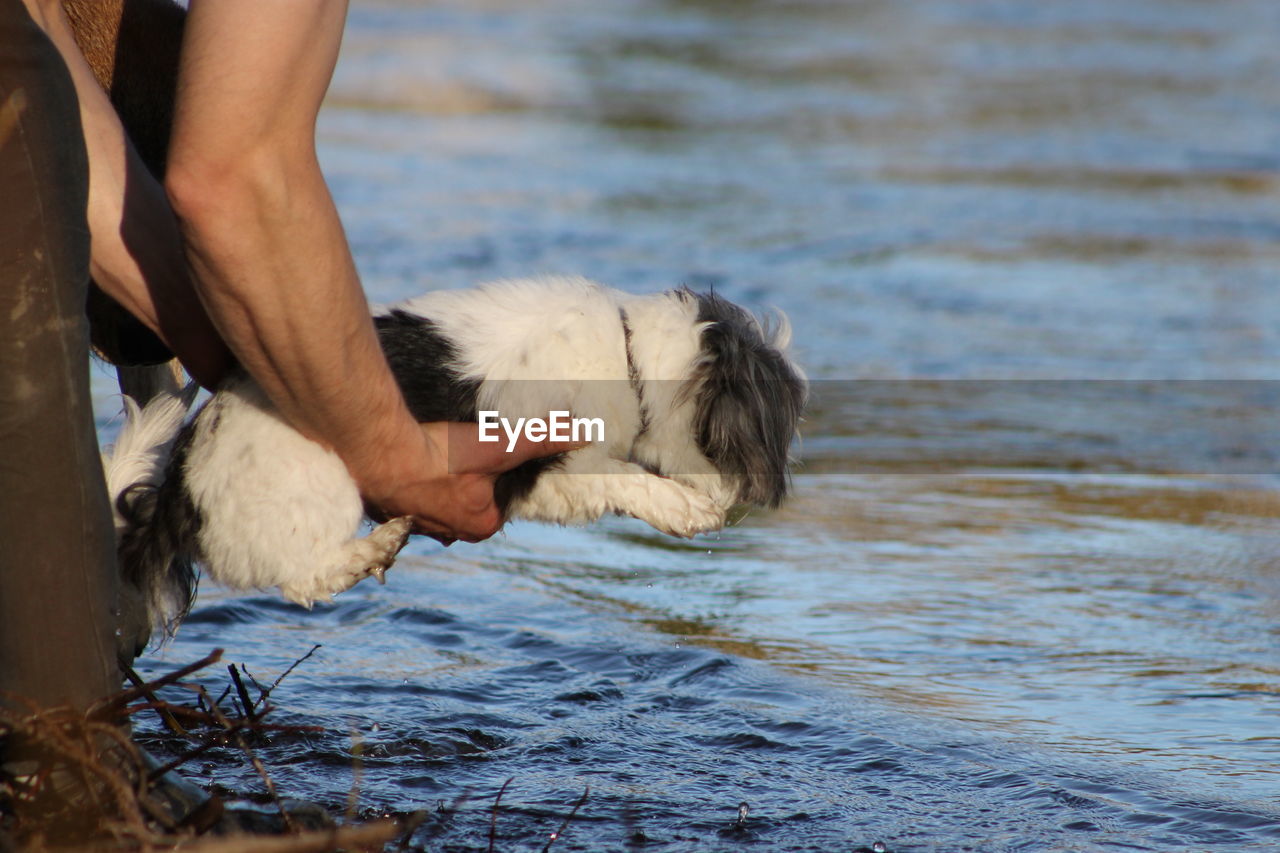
x=245 y=704
x=357 y=771
x=283 y=675
x=257 y=764
x=163 y=711
x=226 y=691
x=181 y=760
x=559 y=832
x=493 y=816
x=116 y=803
x=256 y=683
x=111 y=705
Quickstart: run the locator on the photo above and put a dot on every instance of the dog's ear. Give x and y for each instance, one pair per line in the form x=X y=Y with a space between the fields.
x=748 y=398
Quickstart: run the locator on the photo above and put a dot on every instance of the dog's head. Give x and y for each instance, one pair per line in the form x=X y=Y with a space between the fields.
x=748 y=397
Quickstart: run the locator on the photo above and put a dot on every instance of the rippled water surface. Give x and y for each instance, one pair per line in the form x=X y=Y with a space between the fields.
x=1002 y=613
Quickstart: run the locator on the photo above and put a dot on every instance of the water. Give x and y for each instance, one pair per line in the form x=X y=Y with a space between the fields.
x=997 y=614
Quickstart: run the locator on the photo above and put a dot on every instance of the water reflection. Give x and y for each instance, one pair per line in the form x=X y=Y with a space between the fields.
x=989 y=619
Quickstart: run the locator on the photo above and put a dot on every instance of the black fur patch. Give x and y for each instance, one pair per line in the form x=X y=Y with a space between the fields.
x=422 y=360
x=749 y=400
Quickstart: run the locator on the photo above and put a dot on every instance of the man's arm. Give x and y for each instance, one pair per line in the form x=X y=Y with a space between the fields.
x=272 y=264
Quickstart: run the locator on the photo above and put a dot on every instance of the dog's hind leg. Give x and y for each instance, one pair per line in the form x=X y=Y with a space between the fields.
x=354 y=561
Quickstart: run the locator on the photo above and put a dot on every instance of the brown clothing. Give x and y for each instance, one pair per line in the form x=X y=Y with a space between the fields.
x=57 y=561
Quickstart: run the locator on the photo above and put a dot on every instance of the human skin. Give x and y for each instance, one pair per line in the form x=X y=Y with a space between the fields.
x=263 y=270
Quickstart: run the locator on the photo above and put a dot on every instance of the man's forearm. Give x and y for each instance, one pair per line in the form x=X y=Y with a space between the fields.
x=270 y=258
x=264 y=241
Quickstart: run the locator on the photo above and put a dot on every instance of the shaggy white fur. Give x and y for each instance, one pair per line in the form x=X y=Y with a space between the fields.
x=276 y=509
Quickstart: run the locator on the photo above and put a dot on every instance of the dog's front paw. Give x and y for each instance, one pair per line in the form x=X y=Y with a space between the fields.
x=678 y=510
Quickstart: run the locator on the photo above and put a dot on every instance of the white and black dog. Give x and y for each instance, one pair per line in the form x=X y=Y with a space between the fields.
x=699 y=400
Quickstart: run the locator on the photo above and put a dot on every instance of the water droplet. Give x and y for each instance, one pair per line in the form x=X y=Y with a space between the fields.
x=743 y=811
x=878 y=847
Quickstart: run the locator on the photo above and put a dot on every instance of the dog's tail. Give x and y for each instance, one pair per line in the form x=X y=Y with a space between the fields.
x=149 y=502
x=141 y=452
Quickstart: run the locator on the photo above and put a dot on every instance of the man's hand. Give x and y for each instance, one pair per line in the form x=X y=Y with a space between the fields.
x=450 y=497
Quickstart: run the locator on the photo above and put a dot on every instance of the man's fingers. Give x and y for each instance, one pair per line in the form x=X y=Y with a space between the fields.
x=468 y=515
x=472 y=529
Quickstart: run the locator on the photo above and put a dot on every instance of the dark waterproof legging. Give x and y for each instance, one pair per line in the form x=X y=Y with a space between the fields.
x=57 y=570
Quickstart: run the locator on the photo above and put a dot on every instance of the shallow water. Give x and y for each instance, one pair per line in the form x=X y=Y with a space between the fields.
x=1002 y=613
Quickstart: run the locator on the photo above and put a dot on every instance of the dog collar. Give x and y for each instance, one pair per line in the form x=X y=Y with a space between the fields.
x=633 y=377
